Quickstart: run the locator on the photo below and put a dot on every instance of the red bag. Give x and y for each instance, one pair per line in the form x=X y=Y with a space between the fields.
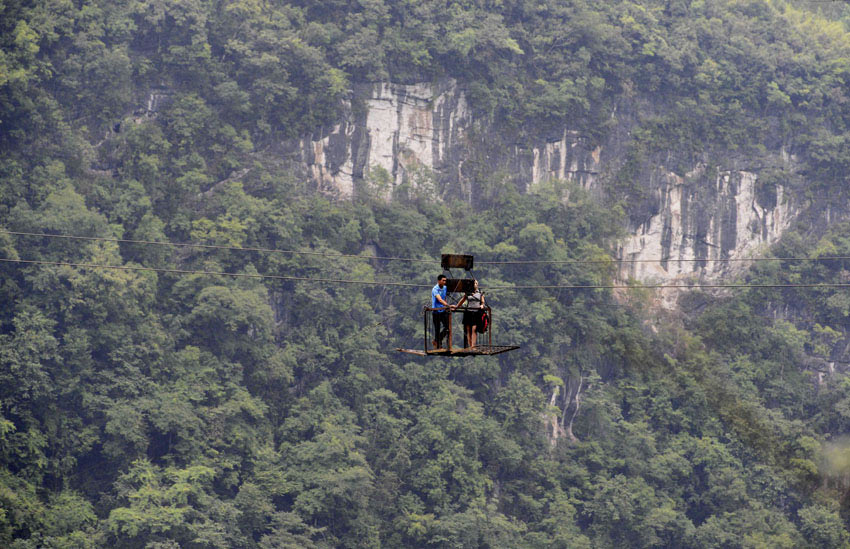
x=483 y=323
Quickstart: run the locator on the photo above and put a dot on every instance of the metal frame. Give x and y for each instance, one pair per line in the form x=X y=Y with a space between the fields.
x=488 y=349
x=465 y=262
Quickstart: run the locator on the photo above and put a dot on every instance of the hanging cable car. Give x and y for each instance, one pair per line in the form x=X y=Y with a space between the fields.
x=484 y=326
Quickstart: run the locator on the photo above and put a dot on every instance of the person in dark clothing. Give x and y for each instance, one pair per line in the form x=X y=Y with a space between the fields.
x=441 y=313
x=472 y=316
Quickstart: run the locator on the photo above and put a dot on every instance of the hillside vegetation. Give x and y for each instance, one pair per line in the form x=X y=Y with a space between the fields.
x=146 y=409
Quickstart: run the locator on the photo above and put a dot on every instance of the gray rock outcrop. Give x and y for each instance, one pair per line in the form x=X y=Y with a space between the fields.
x=392 y=133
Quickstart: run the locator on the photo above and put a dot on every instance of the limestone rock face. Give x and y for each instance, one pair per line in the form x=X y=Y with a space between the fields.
x=392 y=134
x=701 y=218
x=390 y=128
x=570 y=158
x=401 y=129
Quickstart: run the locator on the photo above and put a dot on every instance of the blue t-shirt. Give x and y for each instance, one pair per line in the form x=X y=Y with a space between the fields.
x=437 y=291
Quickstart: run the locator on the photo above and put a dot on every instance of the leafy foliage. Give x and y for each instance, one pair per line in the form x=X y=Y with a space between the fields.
x=142 y=409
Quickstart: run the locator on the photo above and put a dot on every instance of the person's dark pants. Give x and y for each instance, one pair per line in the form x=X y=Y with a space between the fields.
x=441 y=326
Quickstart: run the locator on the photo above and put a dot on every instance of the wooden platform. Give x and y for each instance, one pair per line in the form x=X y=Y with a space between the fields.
x=485 y=350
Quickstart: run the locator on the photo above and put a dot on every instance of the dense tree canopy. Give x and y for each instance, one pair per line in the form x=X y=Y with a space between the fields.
x=160 y=410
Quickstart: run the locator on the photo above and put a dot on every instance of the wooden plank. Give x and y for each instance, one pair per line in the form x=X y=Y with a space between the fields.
x=412 y=351
x=456 y=261
x=480 y=350
x=460 y=285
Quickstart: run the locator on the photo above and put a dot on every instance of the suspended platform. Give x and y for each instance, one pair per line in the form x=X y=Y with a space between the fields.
x=485 y=350
x=428 y=348
x=484 y=320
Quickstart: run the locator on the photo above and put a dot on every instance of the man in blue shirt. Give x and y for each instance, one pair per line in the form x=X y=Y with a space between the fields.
x=441 y=312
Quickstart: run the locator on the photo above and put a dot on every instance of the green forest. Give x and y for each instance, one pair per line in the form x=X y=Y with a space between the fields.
x=163 y=410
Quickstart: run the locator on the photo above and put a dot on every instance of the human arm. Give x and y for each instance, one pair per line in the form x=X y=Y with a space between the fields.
x=438 y=297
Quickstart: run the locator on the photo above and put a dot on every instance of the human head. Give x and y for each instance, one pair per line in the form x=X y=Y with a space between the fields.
x=475 y=285
x=441 y=280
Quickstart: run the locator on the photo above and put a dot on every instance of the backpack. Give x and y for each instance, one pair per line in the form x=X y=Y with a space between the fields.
x=484 y=323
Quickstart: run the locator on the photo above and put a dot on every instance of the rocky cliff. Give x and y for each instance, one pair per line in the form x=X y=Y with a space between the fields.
x=701 y=218
x=389 y=127
x=687 y=221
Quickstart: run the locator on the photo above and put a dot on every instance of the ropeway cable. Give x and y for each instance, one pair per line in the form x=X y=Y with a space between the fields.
x=420 y=260
x=413 y=285
x=212 y=273
x=215 y=246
